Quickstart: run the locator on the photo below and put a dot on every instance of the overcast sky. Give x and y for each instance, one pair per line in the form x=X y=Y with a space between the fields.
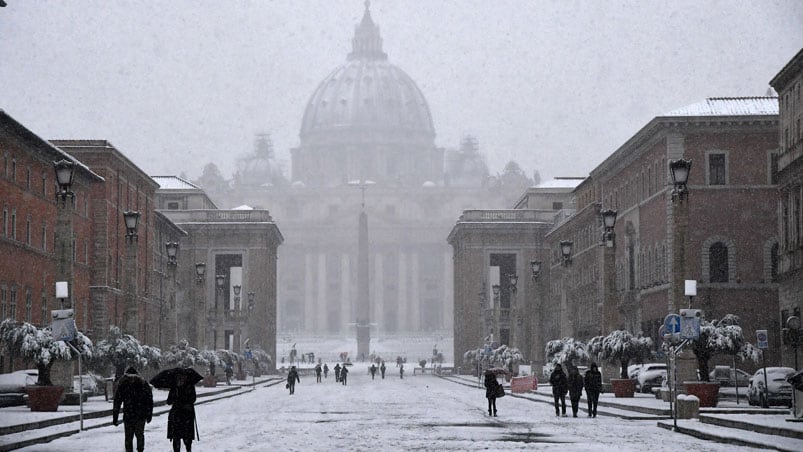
x=555 y=85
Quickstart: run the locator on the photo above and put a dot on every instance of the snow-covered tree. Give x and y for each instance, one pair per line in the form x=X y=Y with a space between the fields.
x=504 y=357
x=183 y=355
x=123 y=350
x=38 y=345
x=567 y=352
x=621 y=347
x=723 y=336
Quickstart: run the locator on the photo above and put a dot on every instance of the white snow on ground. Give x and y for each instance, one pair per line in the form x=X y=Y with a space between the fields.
x=416 y=413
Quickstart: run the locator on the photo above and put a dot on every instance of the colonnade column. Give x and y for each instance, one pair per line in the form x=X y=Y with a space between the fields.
x=415 y=296
x=308 y=315
x=402 y=293
x=346 y=315
x=378 y=315
x=321 y=303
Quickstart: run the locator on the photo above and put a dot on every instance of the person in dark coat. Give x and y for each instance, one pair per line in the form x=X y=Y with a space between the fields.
x=229 y=371
x=344 y=374
x=560 y=386
x=325 y=371
x=490 y=391
x=575 y=389
x=373 y=371
x=318 y=371
x=382 y=369
x=593 y=384
x=181 y=420
x=401 y=371
x=292 y=378
x=337 y=373
x=136 y=397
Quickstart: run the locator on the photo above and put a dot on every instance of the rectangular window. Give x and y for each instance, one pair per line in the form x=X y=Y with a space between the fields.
x=14 y=224
x=28 y=305
x=716 y=169
x=13 y=304
x=13 y=170
x=28 y=178
x=774 y=168
x=44 y=185
x=172 y=205
x=3 y=303
x=5 y=222
x=557 y=205
x=44 y=237
x=44 y=317
x=28 y=230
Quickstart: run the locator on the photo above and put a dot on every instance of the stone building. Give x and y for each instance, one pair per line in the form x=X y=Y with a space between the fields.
x=367 y=144
x=787 y=84
x=237 y=310
x=730 y=244
x=32 y=247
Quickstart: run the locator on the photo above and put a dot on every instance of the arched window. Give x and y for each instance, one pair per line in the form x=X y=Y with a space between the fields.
x=718 y=262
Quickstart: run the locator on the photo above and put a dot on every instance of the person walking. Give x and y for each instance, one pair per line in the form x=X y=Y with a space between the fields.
x=491 y=391
x=292 y=378
x=325 y=370
x=382 y=369
x=337 y=372
x=181 y=419
x=401 y=371
x=575 y=389
x=318 y=371
x=229 y=371
x=560 y=386
x=373 y=371
x=136 y=397
x=593 y=385
x=344 y=373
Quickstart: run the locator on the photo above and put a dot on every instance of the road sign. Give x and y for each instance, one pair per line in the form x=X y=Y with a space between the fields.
x=63 y=326
x=762 y=339
x=672 y=323
x=690 y=323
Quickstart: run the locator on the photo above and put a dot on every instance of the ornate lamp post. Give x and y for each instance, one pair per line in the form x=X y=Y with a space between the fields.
x=65 y=170
x=679 y=171
x=172 y=263
x=172 y=253
x=220 y=282
x=610 y=311
x=515 y=320
x=608 y=221
x=566 y=252
x=535 y=267
x=131 y=310
x=791 y=334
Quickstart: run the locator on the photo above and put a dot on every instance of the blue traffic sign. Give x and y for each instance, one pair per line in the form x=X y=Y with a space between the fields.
x=672 y=323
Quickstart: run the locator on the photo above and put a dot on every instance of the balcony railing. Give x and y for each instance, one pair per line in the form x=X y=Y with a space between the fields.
x=511 y=215
x=220 y=216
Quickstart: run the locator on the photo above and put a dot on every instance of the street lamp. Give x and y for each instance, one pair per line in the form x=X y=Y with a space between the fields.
x=237 y=288
x=566 y=252
x=131 y=218
x=679 y=170
x=535 y=266
x=792 y=334
x=251 y=303
x=608 y=221
x=200 y=272
x=220 y=280
x=65 y=169
x=172 y=252
x=513 y=279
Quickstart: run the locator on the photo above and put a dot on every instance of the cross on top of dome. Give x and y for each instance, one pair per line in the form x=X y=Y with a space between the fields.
x=367 y=43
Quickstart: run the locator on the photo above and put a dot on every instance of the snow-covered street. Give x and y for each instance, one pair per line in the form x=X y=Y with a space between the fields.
x=414 y=413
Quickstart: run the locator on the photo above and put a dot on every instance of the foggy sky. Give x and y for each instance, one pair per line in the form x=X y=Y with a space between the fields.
x=555 y=85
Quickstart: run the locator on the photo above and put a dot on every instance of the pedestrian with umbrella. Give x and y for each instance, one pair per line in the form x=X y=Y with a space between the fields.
x=136 y=397
x=181 y=423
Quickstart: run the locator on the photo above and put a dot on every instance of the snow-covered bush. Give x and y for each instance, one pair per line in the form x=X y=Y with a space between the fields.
x=504 y=357
x=723 y=336
x=123 y=350
x=567 y=352
x=38 y=346
x=183 y=355
x=621 y=347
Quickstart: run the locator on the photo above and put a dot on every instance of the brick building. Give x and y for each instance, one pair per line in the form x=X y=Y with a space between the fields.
x=28 y=270
x=730 y=241
x=790 y=185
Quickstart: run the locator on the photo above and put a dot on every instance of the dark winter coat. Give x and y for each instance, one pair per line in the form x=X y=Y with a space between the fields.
x=560 y=385
x=136 y=397
x=373 y=369
x=575 y=385
x=593 y=381
x=181 y=420
x=490 y=385
x=292 y=377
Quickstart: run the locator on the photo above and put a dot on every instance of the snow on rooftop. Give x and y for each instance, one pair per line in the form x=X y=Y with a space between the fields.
x=174 y=183
x=243 y=207
x=729 y=106
x=561 y=182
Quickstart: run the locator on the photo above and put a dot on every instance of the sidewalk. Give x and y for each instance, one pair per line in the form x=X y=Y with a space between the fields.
x=20 y=427
x=728 y=422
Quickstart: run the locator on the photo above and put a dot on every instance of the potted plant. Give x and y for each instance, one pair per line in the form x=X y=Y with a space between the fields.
x=184 y=355
x=261 y=360
x=567 y=352
x=229 y=358
x=723 y=336
x=213 y=360
x=37 y=345
x=121 y=351
x=620 y=347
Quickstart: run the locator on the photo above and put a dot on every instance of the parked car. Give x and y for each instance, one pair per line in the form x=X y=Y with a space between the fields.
x=89 y=381
x=15 y=382
x=725 y=376
x=778 y=390
x=651 y=376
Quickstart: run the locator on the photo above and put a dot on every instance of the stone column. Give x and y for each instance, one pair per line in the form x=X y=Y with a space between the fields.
x=308 y=314
x=415 y=295
x=610 y=309
x=346 y=314
x=448 y=292
x=322 y=300
x=403 y=323
x=378 y=315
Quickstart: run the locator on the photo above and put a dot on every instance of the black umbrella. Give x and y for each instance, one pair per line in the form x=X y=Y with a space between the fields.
x=167 y=378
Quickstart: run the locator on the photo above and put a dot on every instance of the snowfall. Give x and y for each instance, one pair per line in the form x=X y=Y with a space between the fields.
x=418 y=412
